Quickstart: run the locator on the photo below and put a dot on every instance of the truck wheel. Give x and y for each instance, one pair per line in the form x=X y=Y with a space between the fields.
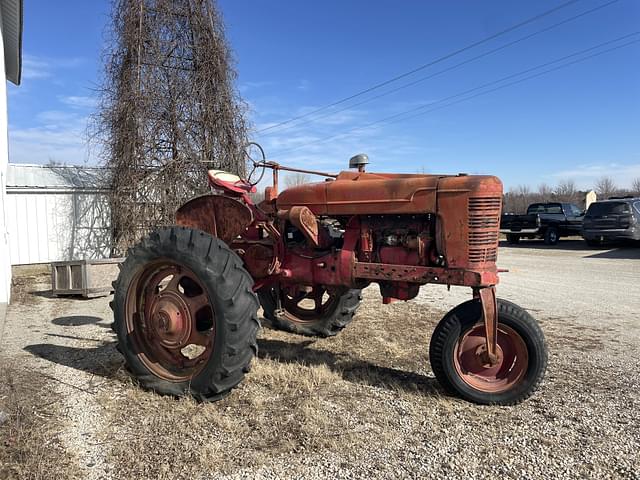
x=513 y=239
x=320 y=312
x=185 y=314
x=456 y=360
x=551 y=236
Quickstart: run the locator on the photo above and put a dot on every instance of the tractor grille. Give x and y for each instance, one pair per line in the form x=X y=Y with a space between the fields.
x=484 y=224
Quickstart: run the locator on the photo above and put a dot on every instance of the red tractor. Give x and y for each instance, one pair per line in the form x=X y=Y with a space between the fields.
x=187 y=297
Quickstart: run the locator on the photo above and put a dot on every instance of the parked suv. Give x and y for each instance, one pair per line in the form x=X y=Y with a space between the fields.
x=613 y=219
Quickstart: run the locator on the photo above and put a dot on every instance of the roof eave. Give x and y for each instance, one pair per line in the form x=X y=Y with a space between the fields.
x=12 y=23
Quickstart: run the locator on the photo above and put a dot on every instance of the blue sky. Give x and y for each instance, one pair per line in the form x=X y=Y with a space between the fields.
x=292 y=57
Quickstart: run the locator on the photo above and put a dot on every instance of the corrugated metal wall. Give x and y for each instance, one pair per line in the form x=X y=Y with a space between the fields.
x=54 y=216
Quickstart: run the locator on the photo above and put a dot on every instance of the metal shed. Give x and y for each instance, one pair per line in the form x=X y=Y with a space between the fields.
x=57 y=213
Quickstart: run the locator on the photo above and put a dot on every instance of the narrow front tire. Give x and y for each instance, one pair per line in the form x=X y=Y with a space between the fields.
x=457 y=360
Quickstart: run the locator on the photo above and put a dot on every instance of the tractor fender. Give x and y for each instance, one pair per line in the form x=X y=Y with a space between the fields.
x=223 y=217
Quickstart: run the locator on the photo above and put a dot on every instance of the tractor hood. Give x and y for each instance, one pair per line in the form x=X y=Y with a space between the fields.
x=353 y=193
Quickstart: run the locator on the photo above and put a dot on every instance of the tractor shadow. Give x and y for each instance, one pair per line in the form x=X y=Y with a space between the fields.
x=102 y=360
x=350 y=369
x=80 y=320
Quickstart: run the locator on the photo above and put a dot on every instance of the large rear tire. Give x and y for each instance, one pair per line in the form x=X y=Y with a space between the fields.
x=185 y=314
x=328 y=312
x=458 y=364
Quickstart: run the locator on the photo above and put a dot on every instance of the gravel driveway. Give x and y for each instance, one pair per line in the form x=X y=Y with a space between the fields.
x=361 y=405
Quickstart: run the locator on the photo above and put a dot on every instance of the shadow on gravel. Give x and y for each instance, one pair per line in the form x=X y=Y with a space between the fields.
x=608 y=250
x=79 y=320
x=103 y=360
x=573 y=245
x=70 y=296
x=350 y=369
x=43 y=293
x=628 y=253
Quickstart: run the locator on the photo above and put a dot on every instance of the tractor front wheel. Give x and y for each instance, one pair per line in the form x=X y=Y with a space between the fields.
x=460 y=365
x=185 y=314
x=315 y=311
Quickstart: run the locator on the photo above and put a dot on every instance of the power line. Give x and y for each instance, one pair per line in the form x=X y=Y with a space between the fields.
x=402 y=115
x=426 y=65
x=440 y=72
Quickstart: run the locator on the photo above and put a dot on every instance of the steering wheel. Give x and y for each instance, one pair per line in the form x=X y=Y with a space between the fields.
x=250 y=151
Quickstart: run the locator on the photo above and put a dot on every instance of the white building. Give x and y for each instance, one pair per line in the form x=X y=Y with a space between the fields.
x=11 y=67
x=57 y=213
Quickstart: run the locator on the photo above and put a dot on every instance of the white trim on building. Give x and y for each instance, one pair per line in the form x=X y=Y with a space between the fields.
x=10 y=68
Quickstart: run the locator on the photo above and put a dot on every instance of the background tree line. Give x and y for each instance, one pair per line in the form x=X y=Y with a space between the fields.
x=517 y=199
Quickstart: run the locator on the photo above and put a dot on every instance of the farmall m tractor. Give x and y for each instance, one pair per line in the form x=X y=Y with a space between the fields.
x=187 y=297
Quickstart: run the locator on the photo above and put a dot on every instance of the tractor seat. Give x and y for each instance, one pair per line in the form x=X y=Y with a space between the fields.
x=229 y=181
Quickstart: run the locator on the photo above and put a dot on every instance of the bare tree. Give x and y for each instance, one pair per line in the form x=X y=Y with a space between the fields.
x=168 y=110
x=635 y=186
x=516 y=200
x=605 y=187
x=566 y=191
x=545 y=193
x=295 y=179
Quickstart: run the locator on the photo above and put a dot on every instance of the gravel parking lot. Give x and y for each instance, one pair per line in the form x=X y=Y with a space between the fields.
x=364 y=404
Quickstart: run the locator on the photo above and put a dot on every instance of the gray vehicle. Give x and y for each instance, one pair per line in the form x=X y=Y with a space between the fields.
x=549 y=221
x=612 y=220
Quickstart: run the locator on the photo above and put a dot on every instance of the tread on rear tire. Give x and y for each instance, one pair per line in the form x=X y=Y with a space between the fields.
x=234 y=304
x=327 y=326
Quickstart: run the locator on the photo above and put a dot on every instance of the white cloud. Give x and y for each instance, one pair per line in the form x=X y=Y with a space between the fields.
x=34 y=68
x=587 y=174
x=38 y=68
x=325 y=141
x=247 y=86
x=79 y=101
x=60 y=136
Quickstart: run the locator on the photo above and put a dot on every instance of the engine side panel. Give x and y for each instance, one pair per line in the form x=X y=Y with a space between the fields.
x=365 y=193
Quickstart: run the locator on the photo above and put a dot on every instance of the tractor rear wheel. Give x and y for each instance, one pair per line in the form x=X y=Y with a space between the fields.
x=185 y=314
x=457 y=360
x=317 y=311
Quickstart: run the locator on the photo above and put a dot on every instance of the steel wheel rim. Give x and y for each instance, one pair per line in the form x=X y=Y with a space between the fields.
x=170 y=320
x=470 y=360
x=322 y=307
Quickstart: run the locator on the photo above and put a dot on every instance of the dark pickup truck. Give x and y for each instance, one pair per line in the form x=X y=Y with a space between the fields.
x=548 y=221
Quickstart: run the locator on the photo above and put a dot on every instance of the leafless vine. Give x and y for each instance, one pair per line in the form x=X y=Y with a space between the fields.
x=168 y=110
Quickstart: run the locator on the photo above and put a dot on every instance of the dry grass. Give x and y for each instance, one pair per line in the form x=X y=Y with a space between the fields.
x=366 y=402
x=302 y=398
x=361 y=405
x=30 y=447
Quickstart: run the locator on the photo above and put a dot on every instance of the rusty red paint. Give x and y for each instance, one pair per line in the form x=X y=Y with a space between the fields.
x=221 y=216
x=167 y=310
x=508 y=368
x=441 y=229
x=490 y=315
